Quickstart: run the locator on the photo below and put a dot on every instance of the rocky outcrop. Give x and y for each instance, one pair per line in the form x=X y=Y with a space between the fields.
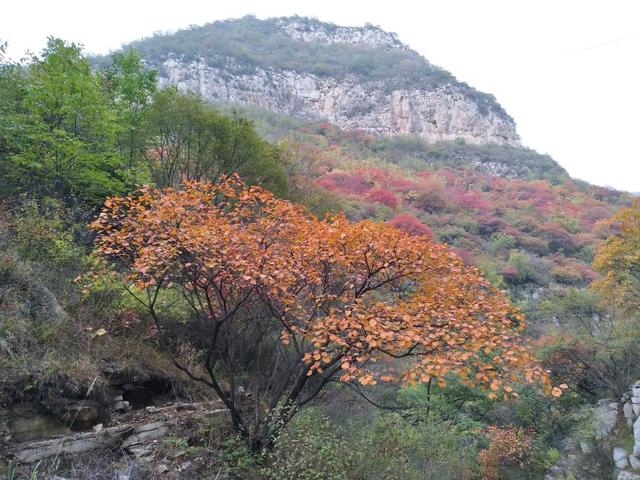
x=445 y=113
x=304 y=30
x=137 y=438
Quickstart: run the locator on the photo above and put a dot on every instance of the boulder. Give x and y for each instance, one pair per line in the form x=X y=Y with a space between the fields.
x=636 y=437
x=635 y=462
x=620 y=458
x=606 y=418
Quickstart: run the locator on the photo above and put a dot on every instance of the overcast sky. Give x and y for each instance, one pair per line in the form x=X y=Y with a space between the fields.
x=568 y=71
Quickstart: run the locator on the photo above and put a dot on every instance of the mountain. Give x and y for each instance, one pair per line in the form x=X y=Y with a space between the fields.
x=355 y=77
x=377 y=131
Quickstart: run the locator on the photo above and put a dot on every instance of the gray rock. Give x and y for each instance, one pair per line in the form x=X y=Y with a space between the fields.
x=145 y=434
x=80 y=443
x=586 y=447
x=636 y=438
x=635 y=462
x=628 y=476
x=629 y=415
x=620 y=458
x=606 y=418
x=122 y=406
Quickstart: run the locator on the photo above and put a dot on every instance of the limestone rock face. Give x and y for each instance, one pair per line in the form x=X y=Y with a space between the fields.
x=445 y=113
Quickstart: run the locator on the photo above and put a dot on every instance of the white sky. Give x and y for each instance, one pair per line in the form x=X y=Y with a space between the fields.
x=577 y=103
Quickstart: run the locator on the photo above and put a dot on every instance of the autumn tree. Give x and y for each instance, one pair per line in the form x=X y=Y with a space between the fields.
x=618 y=261
x=254 y=295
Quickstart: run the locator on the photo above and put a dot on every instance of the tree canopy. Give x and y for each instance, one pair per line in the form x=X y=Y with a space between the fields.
x=618 y=260
x=288 y=303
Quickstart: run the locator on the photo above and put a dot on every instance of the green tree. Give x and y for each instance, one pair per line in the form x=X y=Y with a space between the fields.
x=130 y=87
x=187 y=139
x=61 y=130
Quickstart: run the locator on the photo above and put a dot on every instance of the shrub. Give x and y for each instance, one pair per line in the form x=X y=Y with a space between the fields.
x=410 y=224
x=383 y=196
x=509 y=447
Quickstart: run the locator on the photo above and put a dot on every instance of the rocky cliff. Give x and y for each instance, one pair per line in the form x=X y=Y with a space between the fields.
x=357 y=78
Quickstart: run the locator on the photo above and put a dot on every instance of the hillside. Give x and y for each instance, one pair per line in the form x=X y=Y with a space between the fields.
x=515 y=213
x=357 y=78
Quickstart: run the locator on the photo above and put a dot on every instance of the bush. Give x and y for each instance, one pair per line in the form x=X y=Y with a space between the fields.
x=388 y=448
x=311 y=448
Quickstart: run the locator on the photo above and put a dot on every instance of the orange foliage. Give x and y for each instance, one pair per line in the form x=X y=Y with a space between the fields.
x=618 y=260
x=346 y=295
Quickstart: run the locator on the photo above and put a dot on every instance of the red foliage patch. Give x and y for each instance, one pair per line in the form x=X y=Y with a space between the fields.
x=383 y=196
x=410 y=224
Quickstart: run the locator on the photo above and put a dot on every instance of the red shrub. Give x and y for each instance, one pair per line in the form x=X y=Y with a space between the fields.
x=383 y=196
x=410 y=224
x=349 y=183
x=510 y=273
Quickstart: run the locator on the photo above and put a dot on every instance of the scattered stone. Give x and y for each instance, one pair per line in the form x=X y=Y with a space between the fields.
x=162 y=468
x=98 y=427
